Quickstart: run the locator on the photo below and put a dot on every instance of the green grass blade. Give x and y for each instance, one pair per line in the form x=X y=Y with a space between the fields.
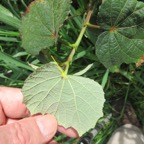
x=105 y=78
x=8 y=39
x=84 y=70
x=10 y=60
x=4 y=32
x=8 y=18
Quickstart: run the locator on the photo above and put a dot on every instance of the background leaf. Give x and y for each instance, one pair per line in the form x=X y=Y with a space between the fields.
x=75 y=101
x=122 y=42
x=41 y=24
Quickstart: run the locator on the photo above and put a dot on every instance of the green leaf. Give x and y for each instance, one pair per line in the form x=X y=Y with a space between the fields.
x=75 y=101
x=122 y=41
x=41 y=24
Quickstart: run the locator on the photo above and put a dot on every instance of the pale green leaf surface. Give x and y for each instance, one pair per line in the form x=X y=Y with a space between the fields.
x=122 y=41
x=41 y=24
x=75 y=101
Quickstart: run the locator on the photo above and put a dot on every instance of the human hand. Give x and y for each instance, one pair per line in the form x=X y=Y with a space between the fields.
x=38 y=129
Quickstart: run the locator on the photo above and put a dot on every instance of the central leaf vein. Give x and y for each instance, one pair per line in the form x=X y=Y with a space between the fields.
x=74 y=98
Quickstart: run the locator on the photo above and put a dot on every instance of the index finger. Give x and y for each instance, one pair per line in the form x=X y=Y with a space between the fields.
x=11 y=101
x=71 y=132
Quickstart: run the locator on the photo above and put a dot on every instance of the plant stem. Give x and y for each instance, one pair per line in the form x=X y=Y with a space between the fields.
x=92 y=26
x=76 y=44
x=69 y=60
x=83 y=29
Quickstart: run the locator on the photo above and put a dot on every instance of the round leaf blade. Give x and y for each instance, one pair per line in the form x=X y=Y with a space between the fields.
x=122 y=41
x=75 y=101
x=41 y=24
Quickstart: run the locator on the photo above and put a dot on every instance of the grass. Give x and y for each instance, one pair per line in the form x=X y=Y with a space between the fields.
x=128 y=84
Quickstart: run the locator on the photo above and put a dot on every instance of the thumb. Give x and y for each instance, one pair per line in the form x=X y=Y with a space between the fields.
x=34 y=130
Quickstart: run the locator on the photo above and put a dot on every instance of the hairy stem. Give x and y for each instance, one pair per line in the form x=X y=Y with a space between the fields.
x=76 y=44
x=84 y=26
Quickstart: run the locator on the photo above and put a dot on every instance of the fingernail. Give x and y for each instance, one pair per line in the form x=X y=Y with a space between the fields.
x=47 y=125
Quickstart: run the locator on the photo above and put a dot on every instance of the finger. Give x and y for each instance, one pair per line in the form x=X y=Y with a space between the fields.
x=2 y=116
x=69 y=131
x=11 y=101
x=52 y=142
x=34 y=130
x=10 y=120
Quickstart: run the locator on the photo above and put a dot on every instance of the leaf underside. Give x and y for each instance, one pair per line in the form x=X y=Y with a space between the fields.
x=75 y=101
x=41 y=24
x=123 y=39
